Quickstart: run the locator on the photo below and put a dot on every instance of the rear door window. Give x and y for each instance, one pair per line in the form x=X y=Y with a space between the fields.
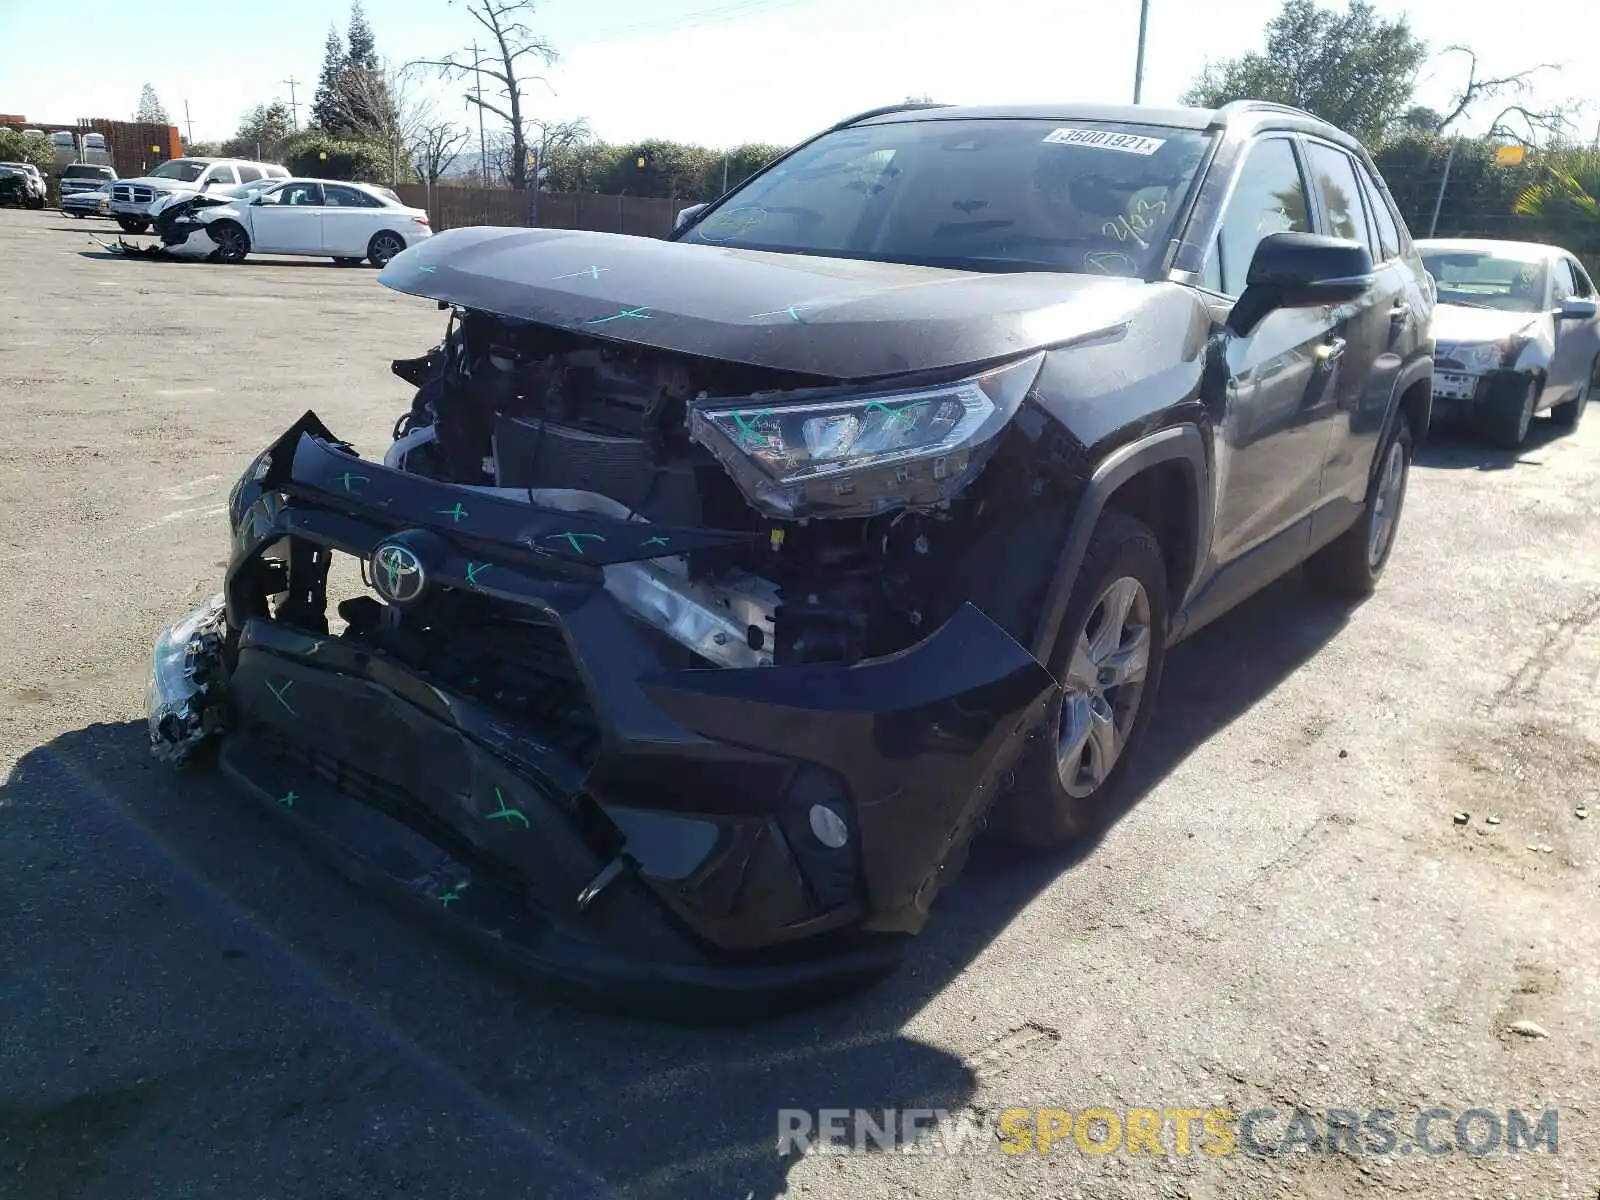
x=1340 y=190
x=249 y=174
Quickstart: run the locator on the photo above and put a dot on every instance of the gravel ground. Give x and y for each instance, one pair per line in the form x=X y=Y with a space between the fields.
x=1289 y=916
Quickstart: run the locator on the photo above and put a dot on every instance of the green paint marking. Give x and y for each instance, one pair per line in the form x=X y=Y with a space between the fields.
x=278 y=692
x=903 y=417
x=504 y=813
x=748 y=430
x=637 y=314
x=655 y=541
x=453 y=894
x=455 y=514
x=575 y=540
x=349 y=477
x=288 y=798
x=476 y=569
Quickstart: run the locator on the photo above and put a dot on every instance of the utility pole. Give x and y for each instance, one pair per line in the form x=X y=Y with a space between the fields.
x=187 y=120
x=1138 y=67
x=294 y=107
x=483 y=145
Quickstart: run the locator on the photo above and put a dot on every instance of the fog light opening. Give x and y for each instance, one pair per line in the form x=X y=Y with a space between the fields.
x=829 y=827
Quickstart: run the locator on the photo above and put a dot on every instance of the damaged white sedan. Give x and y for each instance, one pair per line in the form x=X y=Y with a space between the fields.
x=348 y=222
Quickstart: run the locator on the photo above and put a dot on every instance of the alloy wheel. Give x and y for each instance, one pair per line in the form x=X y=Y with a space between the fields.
x=1104 y=686
x=385 y=247
x=1386 y=502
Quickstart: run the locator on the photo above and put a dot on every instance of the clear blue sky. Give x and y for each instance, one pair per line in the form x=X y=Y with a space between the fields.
x=723 y=71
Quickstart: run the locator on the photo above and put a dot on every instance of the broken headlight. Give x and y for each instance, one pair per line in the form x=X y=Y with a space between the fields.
x=872 y=451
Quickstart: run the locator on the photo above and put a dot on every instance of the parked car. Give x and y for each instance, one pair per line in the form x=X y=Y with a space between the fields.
x=347 y=222
x=84 y=177
x=722 y=587
x=29 y=188
x=96 y=203
x=1518 y=334
x=131 y=199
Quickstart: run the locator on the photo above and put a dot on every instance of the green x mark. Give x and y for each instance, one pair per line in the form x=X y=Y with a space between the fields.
x=289 y=797
x=348 y=477
x=504 y=813
x=897 y=418
x=476 y=569
x=278 y=693
x=655 y=541
x=453 y=894
x=747 y=430
x=455 y=514
x=575 y=540
x=638 y=314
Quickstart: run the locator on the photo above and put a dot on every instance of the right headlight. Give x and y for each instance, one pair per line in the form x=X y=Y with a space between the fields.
x=1479 y=357
x=871 y=451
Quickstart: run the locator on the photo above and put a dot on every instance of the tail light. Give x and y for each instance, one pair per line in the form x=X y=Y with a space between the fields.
x=420 y=220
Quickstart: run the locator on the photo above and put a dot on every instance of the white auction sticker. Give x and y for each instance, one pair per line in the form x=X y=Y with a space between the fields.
x=1105 y=139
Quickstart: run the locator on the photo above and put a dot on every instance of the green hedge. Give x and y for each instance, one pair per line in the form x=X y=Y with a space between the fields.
x=323 y=156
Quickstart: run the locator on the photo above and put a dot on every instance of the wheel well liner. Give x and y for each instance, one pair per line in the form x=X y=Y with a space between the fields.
x=1139 y=477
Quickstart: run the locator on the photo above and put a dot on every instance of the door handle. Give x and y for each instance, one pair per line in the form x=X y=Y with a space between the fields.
x=1329 y=352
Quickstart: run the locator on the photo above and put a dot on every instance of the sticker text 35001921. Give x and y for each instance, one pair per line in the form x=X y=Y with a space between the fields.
x=1105 y=139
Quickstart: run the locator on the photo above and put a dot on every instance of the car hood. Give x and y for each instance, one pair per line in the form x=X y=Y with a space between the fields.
x=1456 y=323
x=830 y=317
x=165 y=185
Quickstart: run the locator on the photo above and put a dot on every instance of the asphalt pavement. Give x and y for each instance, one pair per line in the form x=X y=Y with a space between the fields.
x=1290 y=916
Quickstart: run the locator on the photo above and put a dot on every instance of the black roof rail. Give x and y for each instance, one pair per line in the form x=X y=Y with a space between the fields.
x=884 y=110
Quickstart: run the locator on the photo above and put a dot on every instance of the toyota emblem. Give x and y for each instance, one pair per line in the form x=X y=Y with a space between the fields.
x=397 y=573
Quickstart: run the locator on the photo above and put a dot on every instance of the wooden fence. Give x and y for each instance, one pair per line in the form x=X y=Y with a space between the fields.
x=452 y=207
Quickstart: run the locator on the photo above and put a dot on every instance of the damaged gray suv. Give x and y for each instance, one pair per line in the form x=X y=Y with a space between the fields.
x=720 y=588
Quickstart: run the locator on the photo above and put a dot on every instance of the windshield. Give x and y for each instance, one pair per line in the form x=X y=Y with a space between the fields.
x=981 y=195
x=183 y=169
x=1483 y=279
x=79 y=171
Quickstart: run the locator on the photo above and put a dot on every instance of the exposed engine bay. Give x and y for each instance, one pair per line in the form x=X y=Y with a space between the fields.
x=846 y=565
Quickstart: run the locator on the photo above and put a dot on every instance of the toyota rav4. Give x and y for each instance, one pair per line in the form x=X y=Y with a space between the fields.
x=719 y=589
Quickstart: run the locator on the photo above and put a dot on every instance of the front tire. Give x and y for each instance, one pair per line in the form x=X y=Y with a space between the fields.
x=233 y=243
x=1351 y=564
x=1109 y=658
x=383 y=247
x=1508 y=412
x=132 y=224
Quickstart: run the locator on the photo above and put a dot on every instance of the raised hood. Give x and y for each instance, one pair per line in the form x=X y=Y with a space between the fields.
x=832 y=317
x=1457 y=323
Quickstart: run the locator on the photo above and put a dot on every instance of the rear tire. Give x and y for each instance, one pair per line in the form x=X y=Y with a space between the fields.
x=1109 y=657
x=1351 y=564
x=132 y=225
x=1508 y=413
x=384 y=246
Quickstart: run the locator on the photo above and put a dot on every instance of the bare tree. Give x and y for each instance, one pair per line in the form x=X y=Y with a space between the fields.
x=436 y=147
x=1479 y=88
x=503 y=73
x=387 y=107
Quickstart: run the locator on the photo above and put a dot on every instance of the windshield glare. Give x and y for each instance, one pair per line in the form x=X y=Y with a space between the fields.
x=1480 y=279
x=78 y=171
x=179 y=168
x=981 y=195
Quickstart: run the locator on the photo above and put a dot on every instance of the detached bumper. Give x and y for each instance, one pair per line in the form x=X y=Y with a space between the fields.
x=556 y=782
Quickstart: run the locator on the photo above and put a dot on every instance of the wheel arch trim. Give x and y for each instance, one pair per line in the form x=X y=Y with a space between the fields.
x=1182 y=444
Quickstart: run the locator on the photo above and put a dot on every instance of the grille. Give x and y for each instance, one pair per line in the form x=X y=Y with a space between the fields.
x=132 y=195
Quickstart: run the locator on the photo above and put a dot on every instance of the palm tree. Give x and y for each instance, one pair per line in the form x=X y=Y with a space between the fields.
x=1570 y=187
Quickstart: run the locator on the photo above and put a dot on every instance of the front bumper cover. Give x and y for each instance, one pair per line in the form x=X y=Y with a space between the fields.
x=675 y=849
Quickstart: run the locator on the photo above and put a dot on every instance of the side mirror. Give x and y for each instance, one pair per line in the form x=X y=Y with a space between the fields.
x=1577 y=308
x=1300 y=270
x=687 y=215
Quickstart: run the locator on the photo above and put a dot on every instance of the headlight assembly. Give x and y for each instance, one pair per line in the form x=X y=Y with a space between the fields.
x=838 y=453
x=1479 y=357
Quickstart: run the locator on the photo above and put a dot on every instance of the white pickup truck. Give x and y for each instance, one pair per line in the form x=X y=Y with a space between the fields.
x=132 y=199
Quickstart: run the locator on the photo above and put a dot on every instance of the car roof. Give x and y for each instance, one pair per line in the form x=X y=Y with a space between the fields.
x=1239 y=114
x=1506 y=249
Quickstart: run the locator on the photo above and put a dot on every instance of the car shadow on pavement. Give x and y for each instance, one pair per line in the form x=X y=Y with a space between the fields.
x=173 y=934
x=1453 y=447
